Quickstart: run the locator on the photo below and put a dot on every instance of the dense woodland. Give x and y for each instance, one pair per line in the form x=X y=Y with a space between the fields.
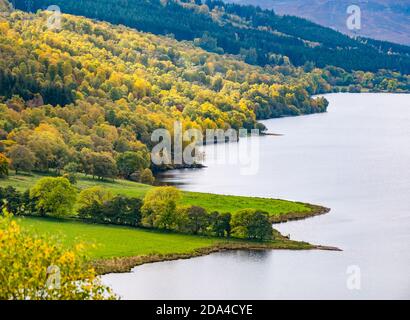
x=256 y=35
x=92 y=91
x=86 y=98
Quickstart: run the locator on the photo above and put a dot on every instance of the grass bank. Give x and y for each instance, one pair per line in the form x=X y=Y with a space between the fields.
x=279 y=210
x=118 y=249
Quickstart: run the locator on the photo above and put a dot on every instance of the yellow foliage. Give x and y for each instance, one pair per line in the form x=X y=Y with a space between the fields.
x=4 y=27
x=36 y=268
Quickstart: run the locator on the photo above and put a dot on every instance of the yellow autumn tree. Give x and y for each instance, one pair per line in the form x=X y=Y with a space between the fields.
x=36 y=268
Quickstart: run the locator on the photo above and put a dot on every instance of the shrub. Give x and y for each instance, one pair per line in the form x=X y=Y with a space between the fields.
x=147 y=177
x=36 y=268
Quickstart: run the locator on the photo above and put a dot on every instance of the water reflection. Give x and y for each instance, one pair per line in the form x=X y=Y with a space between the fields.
x=173 y=178
x=247 y=255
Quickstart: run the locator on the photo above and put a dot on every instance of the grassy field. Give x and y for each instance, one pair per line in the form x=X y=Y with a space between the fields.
x=119 y=249
x=211 y=202
x=116 y=241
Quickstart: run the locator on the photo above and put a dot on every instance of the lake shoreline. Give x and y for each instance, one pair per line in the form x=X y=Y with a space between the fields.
x=315 y=210
x=126 y=264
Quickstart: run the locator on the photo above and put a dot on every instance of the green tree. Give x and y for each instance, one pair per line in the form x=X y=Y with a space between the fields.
x=54 y=196
x=197 y=220
x=252 y=224
x=22 y=159
x=96 y=194
x=11 y=199
x=93 y=212
x=49 y=148
x=123 y=210
x=119 y=210
x=103 y=165
x=130 y=162
x=159 y=209
x=221 y=224
x=29 y=204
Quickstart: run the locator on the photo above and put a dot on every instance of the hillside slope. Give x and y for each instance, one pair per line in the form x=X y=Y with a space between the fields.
x=254 y=34
x=381 y=19
x=93 y=90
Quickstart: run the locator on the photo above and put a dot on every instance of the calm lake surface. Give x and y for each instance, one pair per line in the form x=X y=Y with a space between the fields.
x=354 y=159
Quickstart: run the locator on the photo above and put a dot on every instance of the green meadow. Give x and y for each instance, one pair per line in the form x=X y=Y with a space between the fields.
x=107 y=241
x=103 y=242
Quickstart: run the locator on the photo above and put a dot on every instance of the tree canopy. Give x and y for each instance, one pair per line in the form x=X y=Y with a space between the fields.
x=252 y=224
x=54 y=196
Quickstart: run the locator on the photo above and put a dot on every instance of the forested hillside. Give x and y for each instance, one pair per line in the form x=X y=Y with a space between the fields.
x=92 y=91
x=257 y=35
x=88 y=96
x=381 y=19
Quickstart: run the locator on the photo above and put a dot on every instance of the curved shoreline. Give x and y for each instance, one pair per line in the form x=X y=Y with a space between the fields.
x=293 y=216
x=126 y=264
